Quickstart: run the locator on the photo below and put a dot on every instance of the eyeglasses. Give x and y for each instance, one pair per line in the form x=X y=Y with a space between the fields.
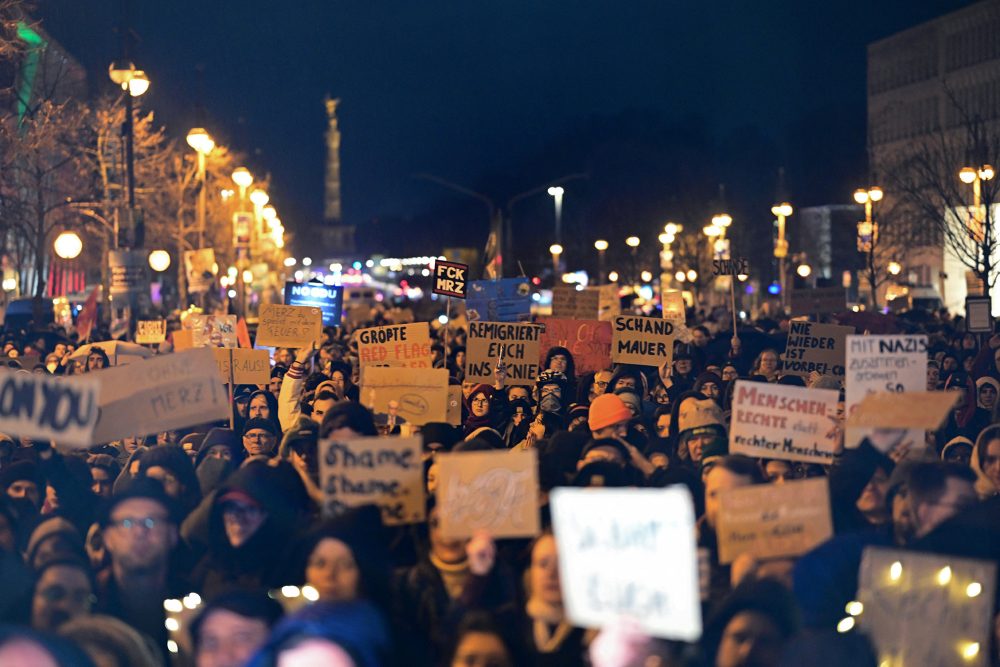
x=600 y=384
x=147 y=523
x=480 y=400
x=258 y=436
x=58 y=593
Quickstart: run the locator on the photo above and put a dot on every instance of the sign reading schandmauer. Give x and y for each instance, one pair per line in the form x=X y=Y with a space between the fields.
x=776 y=421
x=644 y=341
x=450 y=278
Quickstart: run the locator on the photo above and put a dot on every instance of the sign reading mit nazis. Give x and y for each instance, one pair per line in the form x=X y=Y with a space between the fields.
x=644 y=341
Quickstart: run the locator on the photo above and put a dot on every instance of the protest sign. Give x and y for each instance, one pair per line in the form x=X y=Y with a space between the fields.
x=883 y=364
x=454 y=410
x=645 y=341
x=405 y=345
x=248 y=366
x=420 y=394
x=200 y=269
x=160 y=394
x=129 y=271
x=978 y=316
x=648 y=536
x=815 y=347
x=910 y=409
x=774 y=520
x=150 y=332
x=926 y=609
x=730 y=267
x=777 y=421
x=504 y=300
x=817 y=300
x=588 y=340
x=212 y=330
x=609 y=305
x=450 y=278
x=519 y=343
x=674 y=308
x=386 y=471
x=45 y=407
x=328 y=298
x=289 y=326
x=183 y=339
x=492 y=491
x=571 y=303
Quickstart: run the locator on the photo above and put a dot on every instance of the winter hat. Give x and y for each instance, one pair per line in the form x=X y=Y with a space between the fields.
x=140 y=487
x=981 y=382
x=631 y=399
x=577 y=410
x=305 y=430
x=601 y=474
x=220 y=436
x=49 y=528
x=607 y=443
x=694 y=413
x=480 y=389
x=22 y=471
x=193 y=442
x=243 y=392
x=715 y=447
x=607 y=410
x=440 y=433
x=957 y=441
x=483 y=434
x=262 y=424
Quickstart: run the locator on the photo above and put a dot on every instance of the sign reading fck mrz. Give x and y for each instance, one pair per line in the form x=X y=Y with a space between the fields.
x=450 y=278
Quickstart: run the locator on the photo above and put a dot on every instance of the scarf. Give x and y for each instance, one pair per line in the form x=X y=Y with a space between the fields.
x=454 y=575
x=549 y=626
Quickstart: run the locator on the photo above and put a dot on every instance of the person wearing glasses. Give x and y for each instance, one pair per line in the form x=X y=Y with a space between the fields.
x=259 y=437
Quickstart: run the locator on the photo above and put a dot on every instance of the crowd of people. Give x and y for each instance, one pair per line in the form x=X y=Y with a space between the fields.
x=207 y=546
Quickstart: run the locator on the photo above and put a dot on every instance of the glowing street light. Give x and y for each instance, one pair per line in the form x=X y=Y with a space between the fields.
x=895 y=268
x=781 y=212
x=556 y=251
x=632 y=241
x=259 y=197
x=68 y=245
x=159 y=260
x=646 y=276
x=692 y=275
x=680 y=276
x=200 y=140
x=804 y=270
x=613 y=276
x=600 y=245
x=975 y=178
x=557 y=193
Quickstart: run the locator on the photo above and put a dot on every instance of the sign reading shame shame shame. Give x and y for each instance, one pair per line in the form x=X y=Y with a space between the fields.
x=644 y=341
x=387 y=472
x=44 y=407
x=629 y=553
x=289 y=326
x=520 y=344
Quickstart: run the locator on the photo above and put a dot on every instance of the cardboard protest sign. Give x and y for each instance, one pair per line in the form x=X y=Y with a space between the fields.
x=519 y=343
x=911 y=409
x=159 y=394
x=645 y=341
x=883 y=364
x=46 y=407
x=674 y=308
x=248 y=366
x=492 y=491
x=815 y=347
x=926 y=609
x=150 y=332
x=588 y=340
x=289 y=326
x=454 y=410
x=212 y=330
x=504 y=300
x=406 y=345
x=731 y=267
x=451 y=278
x=777 y=421
x=420 y=394
x=648 y=536
x=387 y=472
x=817 y=300
x=774 y=520
x=328 y=298
x=183 y=339
x=200 y=267
x=571 y=303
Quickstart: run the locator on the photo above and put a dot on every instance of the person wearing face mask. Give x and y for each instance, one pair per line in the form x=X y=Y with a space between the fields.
x=560 y=360
x=553 y=389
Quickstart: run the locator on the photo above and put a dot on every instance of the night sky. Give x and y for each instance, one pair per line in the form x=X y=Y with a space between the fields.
x=470 y=91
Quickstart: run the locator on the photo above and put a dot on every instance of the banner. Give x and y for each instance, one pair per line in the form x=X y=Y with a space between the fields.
x=926 y=609
x=289 y=326
x=674 y=308
x=519 y=344
x=450 y=278
x=774 y=520
x=883 y=364
x=925 y=410
x=572 y=304
x=328 y=298
x=492 y=491
x=405 y=345
x=588 y=340
x=249 y=366
x=776 y=421
x=212 y=330
x=129 y=272
x=504 y=300
x=200 y=269
x=648 y=536
x=817 y=301
x=644 y=341
x=161 y=393
x=815 y=347
x=150 y=332
x=420 y=394
x=387 y=472
x=46 y=407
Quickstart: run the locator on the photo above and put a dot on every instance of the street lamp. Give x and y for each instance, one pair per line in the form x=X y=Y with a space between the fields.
x=159 y=260
x=975 y=178
x=613 y=277
x=556 y=251
x=895 y=268
x=633 y=243
x=68 y=245
x=557 y=195
x=134 y=83
x=804 y=270
x=868 y=234
x=243 y=180
x=781 y=212
x=646 y=276
x=692 y=275
x=259 y=197
x=202 y=142
x=680 y=276
x=600 y=245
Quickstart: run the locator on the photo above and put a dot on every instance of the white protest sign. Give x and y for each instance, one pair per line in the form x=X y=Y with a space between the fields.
x=150 y=332
x=877 y=364
x=159 y=394
x=43 y=407
x=629 y=553
x=387 y=472
x=777 y=421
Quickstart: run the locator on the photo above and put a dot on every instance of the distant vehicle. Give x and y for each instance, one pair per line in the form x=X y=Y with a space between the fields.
x=28 y=314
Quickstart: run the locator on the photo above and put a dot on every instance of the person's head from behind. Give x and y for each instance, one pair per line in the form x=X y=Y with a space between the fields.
x=63 y=590
x=728 y=472
x=347 y=419
x=482 y=642
x=140 y=529
x=350 y=634
x=751 y=626
x=24 y=647
x=231 y=628
x=937 y=492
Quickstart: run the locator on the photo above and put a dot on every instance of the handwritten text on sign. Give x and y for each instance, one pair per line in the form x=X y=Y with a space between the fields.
x=248 y=366
x=645 y=341
x=520 y=345
x=450 y=278
x=387 y=472
x=588 y=340
x=63 y=410
x=150 y=332
x=815 y=347
x=916 y=612
x=289 y=326
x=407 y=345
x=777 y=421
x=492 y=491
x=648 y=534
x=420 y=394
x=774 y=520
